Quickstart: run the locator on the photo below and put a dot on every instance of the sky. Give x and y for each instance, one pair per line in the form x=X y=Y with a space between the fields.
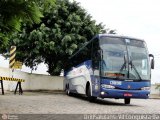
x=135 y=18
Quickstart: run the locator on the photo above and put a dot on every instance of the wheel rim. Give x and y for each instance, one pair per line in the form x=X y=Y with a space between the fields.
x=68 y=91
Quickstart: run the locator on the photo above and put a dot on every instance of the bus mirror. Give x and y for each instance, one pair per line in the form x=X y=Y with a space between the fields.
x=152 y=64
x=152 y=61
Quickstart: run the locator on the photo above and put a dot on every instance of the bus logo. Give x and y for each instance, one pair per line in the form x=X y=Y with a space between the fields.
x=115 y=83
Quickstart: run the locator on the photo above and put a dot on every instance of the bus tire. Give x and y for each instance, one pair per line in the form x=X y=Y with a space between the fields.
x=127 y=100
x=90 y=98
x=67 y=90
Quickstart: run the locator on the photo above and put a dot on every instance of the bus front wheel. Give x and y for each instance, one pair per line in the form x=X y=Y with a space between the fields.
x=90 y=98
x=127 y=100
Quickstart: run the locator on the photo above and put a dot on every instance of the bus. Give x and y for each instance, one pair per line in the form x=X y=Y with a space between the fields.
x=110 y=66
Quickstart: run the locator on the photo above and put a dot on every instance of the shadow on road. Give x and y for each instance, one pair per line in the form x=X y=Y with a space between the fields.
x=100 y=101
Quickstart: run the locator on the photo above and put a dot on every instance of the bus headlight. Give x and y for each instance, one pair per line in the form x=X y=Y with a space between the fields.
x=107 y=86
x=145 y=88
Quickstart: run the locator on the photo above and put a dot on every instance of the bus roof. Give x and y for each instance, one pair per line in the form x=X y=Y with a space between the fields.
x=115 y=35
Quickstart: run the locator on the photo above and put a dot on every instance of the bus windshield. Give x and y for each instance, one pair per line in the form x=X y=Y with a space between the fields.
x=124 y=58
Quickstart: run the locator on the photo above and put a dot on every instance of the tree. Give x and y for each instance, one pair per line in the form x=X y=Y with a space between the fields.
x=63 y=30
x=15 y=12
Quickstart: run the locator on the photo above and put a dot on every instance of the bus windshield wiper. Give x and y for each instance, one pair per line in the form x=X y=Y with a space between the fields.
x=124 y=64
x=133 y=66
x=122 y=67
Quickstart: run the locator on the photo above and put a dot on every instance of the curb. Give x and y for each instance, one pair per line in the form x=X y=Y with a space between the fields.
x=154 y=96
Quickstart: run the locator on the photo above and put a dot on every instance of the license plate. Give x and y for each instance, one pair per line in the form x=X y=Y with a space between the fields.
x=127 y=94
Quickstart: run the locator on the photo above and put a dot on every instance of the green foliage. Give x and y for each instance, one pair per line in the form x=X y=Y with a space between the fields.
x=3 y=42
x=15 y=12
x=157 y=86
x=63 y=30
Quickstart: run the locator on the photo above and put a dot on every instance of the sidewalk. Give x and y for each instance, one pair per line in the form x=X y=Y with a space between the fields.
x=154 y=96
x=34 y=92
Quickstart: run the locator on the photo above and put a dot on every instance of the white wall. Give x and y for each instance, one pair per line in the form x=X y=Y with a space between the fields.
x=154 y=90
x=39 y=82
x=32 y=81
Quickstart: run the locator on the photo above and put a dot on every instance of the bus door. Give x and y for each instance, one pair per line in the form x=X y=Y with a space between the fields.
x=96 y=57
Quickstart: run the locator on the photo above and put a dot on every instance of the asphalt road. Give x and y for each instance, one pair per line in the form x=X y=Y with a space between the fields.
x=59 y=103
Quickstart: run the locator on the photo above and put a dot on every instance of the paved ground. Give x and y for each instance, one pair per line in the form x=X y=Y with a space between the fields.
x=59 y=103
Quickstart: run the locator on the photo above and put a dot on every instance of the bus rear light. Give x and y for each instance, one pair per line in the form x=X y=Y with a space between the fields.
x=107 y=86
x=145 y=88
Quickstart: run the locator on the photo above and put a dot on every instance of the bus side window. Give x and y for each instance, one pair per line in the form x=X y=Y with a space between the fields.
x=95 y=54
x=82 y=56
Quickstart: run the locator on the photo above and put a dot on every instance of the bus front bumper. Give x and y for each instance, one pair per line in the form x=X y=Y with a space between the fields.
x=116 y=93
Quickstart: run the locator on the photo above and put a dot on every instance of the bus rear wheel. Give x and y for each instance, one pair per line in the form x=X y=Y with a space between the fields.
x=90 y=98
x=127 y=100
x=67 y=90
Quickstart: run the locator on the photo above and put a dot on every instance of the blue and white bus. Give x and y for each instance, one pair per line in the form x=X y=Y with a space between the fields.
x=110 y=66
